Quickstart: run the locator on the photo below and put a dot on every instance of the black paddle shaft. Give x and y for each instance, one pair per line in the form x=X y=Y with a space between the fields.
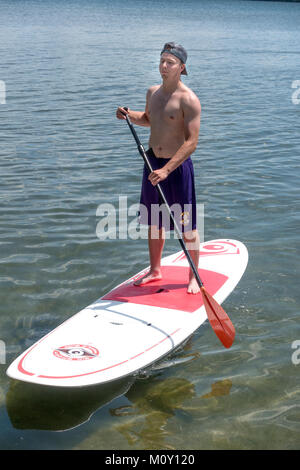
x=149 y=167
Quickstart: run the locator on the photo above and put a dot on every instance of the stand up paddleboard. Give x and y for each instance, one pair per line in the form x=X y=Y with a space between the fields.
x=132 y=327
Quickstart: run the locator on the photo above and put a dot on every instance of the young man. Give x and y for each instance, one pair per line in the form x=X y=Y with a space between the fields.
x=173 y=114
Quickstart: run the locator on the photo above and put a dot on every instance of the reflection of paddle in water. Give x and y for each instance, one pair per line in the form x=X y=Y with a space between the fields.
x=151 y=409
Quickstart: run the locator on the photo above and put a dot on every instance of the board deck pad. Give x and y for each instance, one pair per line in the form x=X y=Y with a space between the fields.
x=170 y=291
x=132 y=327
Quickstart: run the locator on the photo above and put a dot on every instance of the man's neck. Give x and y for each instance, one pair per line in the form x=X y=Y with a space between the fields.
x=170 y=87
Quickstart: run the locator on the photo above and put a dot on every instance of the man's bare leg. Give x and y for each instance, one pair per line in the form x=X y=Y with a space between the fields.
x=192 y=241
x=156 y=240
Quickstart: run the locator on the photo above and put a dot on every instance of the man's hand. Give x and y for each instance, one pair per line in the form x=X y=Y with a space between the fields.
x=137 y=117
x=121 y=113
x=157 y=176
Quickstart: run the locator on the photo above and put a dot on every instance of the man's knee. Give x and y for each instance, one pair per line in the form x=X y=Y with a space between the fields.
x=192 y=239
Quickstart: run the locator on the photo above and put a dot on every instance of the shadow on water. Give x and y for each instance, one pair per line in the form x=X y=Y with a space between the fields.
x=40 y=407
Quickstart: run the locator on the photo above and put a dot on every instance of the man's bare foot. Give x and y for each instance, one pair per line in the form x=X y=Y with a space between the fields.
x=149 y=277
x=193 y=287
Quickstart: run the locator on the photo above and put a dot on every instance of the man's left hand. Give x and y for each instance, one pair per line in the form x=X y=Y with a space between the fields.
x=157 y=176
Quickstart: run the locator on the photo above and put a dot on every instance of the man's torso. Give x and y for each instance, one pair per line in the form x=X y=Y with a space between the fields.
x=166 y=117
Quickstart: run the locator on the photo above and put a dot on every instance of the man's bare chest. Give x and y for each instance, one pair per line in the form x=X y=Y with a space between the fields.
x=165 y=110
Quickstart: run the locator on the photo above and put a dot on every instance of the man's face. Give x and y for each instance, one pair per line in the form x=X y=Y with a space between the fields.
x=170 y=66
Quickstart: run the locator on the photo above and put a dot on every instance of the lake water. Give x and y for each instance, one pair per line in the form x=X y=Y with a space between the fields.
x=65 y=67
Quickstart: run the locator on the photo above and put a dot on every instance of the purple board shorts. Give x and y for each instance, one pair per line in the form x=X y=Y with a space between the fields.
x=179 y=191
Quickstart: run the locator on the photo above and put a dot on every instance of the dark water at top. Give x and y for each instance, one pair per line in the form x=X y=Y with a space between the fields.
x=64 y=68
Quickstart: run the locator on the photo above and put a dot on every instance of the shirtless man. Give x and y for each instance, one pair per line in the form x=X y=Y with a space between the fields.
x=173 y=114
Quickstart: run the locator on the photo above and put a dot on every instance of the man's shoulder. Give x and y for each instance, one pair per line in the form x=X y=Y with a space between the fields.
x=189 y=98
x=152 y=89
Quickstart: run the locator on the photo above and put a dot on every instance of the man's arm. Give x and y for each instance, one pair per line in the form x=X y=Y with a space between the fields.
x=141 y=118
x=192 y=112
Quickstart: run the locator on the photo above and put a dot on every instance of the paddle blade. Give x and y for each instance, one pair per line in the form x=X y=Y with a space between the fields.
x=218 y=318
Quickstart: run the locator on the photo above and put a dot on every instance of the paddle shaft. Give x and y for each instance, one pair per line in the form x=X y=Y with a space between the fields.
x=160 y=191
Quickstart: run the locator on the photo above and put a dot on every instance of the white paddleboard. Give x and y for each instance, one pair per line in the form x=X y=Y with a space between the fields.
x=132 y=327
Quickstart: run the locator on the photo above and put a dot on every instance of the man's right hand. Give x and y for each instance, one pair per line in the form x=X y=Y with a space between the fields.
x=121 y=113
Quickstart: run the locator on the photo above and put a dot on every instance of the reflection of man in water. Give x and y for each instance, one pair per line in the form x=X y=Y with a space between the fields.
x=219 y=389
x=151 y=410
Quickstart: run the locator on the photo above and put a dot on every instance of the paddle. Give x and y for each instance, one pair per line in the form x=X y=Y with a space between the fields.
x=219 y=320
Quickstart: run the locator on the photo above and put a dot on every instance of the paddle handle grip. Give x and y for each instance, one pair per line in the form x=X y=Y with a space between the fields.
x=160 y=191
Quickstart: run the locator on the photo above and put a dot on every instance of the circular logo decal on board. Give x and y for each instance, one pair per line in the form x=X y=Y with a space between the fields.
x=76 y=352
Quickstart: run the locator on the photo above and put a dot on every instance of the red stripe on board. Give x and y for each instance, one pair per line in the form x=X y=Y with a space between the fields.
x=21 y=369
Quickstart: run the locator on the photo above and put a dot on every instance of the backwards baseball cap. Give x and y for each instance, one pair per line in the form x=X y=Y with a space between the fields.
x=178 y=51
